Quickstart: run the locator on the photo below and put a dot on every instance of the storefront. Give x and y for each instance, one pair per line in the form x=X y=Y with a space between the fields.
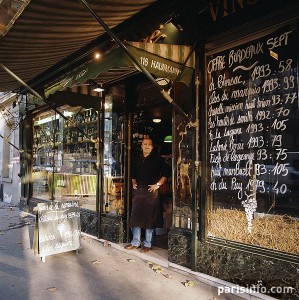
x=230 y=206
x=248 y=204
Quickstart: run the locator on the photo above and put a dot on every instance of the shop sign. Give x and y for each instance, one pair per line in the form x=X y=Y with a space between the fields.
x=222 y=8
x=57 y=228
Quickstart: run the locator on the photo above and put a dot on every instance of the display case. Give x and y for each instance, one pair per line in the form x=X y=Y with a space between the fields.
x=79 y=143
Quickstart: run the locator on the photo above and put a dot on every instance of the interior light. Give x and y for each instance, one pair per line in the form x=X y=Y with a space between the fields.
x=97 y=55
x=168 y=139
x=176 y=20
x=98 y=89
x=157 y=120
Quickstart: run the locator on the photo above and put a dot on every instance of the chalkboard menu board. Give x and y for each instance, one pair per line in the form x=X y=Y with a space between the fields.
x=252 y=125
x=59 y=228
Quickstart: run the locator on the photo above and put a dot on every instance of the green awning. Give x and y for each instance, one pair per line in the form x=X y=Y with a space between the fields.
x=161 y=60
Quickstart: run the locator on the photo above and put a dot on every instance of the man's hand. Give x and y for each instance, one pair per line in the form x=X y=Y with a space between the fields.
x=153 y=187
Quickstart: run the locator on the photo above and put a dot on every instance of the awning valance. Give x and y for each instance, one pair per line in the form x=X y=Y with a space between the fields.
x=175 y=62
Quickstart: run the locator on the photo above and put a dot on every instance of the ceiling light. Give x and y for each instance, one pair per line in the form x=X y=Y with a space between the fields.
x=98 y=89
x=97 y=55
x=157 y=120
x=95 y=87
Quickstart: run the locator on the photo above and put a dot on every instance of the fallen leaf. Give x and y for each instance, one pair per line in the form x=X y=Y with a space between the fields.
x=189 y=283
x=95 y=262
x=157 y=268
x=168 y=276
x=131 y=260
x=51 y=289
x=87 y=239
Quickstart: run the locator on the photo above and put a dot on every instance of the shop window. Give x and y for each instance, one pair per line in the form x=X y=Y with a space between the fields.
x=113 y=159
x=65 y=155
x=183 y=173
x=252 y=142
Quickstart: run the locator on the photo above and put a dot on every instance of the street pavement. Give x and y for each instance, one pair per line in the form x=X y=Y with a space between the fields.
x=99 y=270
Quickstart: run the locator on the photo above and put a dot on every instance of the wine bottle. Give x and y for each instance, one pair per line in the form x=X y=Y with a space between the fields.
x=107 y=208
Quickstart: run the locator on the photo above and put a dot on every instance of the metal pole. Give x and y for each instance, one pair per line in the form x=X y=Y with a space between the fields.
x=100 y=167
x=195 y=182
x=22 y=82
x=134 y=60
x=128 y=174
x=5 y=139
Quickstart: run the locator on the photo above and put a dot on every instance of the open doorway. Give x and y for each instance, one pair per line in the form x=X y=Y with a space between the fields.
x=155 y=121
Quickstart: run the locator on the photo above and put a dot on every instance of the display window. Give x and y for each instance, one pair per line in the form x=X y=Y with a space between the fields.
x=65 y=155
x=252 y=133
x=113 y=159
x=183 y=175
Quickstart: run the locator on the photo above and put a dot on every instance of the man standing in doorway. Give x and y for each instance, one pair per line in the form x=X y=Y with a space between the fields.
x=148 y=174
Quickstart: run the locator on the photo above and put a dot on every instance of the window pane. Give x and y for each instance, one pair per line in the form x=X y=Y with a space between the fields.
x=65 y=153
x=113 y=159
x=253 y=143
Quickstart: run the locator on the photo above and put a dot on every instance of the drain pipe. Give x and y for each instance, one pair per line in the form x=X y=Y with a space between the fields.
x=135 y=61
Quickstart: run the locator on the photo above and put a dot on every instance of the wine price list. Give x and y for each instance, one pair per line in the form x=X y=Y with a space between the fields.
x=252 y=123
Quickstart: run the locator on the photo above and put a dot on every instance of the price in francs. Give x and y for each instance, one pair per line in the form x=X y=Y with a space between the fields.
x=277 y=140
x=280 y=169
x=282 y=112
x=280 y=189
x=279 y=124
x=281 y=154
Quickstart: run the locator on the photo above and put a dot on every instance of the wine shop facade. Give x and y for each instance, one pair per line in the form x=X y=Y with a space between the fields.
x=231 y=203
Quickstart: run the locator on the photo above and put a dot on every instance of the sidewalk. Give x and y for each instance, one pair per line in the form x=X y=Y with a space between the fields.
x=100 y=270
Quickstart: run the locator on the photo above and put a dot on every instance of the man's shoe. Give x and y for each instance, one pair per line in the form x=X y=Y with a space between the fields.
x=145 y=249
x=130 y=247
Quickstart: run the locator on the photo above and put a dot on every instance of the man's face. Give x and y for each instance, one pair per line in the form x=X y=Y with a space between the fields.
x=147 y=146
